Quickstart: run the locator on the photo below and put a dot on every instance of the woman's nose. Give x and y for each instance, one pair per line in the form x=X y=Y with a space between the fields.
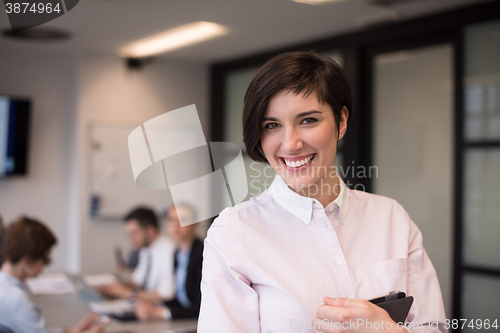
x=292 y=142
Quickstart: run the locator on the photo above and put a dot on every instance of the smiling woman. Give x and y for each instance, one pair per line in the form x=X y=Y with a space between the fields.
x=309 y=250
x=325 y=79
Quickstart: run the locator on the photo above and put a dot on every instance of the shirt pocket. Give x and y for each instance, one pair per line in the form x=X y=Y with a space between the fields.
x=390 y=275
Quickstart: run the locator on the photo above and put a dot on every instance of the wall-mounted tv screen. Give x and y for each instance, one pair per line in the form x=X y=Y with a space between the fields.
x=14 y=134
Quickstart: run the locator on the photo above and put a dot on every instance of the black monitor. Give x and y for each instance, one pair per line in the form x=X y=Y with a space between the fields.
x=14 y=135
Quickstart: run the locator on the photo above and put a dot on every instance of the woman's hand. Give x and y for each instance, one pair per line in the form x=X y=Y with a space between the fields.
x=151 y=296
x=92 y=323
x=352 y=315
x=145 y=310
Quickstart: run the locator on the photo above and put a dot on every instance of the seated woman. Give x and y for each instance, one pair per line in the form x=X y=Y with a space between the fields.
x=27 y=248
x=309 y=250
x=187 y=269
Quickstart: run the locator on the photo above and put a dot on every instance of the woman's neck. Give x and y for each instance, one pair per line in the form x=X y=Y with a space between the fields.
x=186 y=244
x=325 y=190
x=16 y=271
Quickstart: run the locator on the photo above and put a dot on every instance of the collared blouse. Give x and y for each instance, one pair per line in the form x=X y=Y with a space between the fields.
x=268 y=262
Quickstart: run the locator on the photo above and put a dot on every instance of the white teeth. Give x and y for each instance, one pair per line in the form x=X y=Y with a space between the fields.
x=296 y=164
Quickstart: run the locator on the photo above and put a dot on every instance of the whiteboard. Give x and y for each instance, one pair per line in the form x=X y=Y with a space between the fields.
x=112 y=181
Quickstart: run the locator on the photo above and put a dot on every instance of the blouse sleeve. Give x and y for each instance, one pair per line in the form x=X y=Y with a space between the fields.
x=427 y=312
x=229 y=303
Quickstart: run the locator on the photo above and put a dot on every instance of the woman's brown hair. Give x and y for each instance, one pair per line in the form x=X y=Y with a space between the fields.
x=300 y=72
x=27 y=238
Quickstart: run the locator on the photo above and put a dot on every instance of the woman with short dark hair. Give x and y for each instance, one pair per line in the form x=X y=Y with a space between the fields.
x=306 y=254
x=27 y=248
x=301 y=73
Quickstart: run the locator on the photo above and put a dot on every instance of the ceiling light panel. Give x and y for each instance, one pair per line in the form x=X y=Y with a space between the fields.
x=173 y=39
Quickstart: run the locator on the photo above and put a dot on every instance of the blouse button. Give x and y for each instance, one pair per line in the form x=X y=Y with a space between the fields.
x=339 y=262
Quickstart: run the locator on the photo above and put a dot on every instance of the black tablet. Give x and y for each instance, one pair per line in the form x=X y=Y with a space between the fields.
x=396 y=304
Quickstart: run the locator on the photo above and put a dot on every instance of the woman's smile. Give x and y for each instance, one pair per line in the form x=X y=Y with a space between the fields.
x=296 y=163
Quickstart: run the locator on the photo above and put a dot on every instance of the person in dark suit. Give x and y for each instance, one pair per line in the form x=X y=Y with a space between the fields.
x=188 y=259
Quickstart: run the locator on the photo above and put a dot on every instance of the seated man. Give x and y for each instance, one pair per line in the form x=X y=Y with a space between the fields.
x=188 y=264
x=27 y=246
x=153 y=277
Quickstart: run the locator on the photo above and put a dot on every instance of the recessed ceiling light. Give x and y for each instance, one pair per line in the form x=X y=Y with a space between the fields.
x=173 y=39
x=317 y=2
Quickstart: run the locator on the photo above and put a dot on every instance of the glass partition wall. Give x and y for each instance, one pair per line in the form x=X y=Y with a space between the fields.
x=481 y=173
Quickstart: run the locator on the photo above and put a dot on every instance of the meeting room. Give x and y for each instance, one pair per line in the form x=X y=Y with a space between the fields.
x=229 y=166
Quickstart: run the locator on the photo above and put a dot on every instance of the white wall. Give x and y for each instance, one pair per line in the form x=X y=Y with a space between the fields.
x=69 y=92
x=109 y=93
x=49 y=80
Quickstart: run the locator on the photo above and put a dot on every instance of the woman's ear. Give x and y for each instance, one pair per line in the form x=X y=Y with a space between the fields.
x=25 y=264
x=343 y=122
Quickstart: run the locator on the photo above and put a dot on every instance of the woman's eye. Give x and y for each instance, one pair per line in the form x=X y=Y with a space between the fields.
x=271 y=125
x=309 y=120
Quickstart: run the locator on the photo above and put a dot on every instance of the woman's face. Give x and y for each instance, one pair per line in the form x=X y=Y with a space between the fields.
x=33 y=268
x=178 y=232
x=299 y=139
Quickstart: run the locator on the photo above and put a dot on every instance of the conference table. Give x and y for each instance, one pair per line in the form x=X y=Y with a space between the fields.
x=69 y=309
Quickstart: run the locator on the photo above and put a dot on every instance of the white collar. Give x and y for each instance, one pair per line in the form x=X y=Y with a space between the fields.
x=153 y=244
x=302 y=206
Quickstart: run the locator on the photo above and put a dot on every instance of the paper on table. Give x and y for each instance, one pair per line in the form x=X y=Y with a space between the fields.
x=97 y=280
x=51 y=284
x=116 y=307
